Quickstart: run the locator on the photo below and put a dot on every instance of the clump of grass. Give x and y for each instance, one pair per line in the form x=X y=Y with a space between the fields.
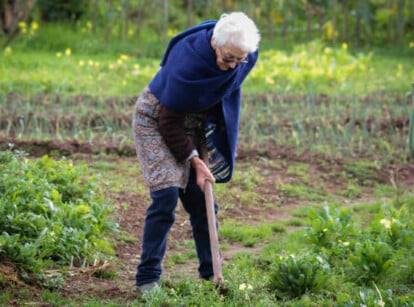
x=249 y=235
x=302 y=192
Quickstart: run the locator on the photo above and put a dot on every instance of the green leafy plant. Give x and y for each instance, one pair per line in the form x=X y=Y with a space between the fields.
x=370 y=297
x=294 y=276
x=371 y=260
x=393 y=226
x=51 y=213
x=329 y=226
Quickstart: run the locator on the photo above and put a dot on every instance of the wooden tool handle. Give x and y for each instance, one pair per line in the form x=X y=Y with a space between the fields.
x=211 y=217
x=214 y=244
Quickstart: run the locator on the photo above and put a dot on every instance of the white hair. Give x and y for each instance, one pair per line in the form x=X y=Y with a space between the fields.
x=238 y=30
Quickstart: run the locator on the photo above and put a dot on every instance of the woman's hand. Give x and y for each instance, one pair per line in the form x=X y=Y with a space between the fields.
x=202 y=172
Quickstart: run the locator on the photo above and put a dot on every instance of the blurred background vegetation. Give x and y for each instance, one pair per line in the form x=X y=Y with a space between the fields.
x=142 y=27
x=333 y=76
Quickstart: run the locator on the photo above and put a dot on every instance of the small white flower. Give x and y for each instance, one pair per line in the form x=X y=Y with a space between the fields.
x=244 y=286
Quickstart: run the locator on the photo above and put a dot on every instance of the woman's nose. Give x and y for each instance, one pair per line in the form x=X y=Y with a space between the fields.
x=233 y=64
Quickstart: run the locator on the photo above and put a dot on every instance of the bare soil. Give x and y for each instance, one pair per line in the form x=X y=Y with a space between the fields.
x=131 y=217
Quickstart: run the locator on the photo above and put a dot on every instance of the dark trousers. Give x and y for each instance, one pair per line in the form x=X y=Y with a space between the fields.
x=159 y=219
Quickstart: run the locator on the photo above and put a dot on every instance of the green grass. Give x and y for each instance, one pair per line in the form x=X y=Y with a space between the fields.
x=96 y=75
x=323 y=99
x=303 y=192
x=310 y=68
x=249 y=235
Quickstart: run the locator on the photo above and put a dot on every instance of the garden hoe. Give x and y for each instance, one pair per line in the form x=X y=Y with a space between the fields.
x=212 y=230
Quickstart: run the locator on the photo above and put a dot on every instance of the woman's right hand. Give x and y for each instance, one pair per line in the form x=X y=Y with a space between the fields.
x=202 y=172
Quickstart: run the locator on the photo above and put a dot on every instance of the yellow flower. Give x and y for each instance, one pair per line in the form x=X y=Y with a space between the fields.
x=346 y=243
x=327 y=50
x=68 y=51
x=8 y=50
x=344 y=46
x=124 y=83
x=386 y=223
x=34 y=26
x=58 y=54
x=411 y=44
x=330 y=30
x=22 y=25
x=90 y=63
x=83 y=209
x=325 y=229
x=81 y=63
x=172 y=32
x=269 y=80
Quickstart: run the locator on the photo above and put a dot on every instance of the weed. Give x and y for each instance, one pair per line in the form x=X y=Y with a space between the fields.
x=301 y=192
x=371 y=260
x=293 y=276
x=352 y=191
x=295 y=222
x=370 y=297
x=365 y=172
x=50 y=214
x=329 y=225
x=299 y=169
x=249 y=235
x=392 y=226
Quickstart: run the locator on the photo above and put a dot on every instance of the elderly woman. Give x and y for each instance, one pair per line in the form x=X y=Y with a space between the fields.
x=192 y=102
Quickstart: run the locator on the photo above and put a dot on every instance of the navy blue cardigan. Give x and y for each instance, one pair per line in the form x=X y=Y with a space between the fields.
x=190 y=81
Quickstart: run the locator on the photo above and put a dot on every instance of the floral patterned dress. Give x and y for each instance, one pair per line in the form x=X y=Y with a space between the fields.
x=159 y=167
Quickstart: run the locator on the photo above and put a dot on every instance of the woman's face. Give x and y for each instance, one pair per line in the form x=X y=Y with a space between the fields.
x=228 y=57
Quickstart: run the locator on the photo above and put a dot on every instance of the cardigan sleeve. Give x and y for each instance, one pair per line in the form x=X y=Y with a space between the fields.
x=171 y=128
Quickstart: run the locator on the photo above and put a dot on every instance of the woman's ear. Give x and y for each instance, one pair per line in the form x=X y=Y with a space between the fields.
x=213 y=43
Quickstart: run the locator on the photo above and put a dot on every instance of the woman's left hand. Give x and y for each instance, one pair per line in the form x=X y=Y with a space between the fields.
x=202 y=172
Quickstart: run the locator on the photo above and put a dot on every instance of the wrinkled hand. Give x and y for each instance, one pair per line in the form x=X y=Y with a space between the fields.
x=202 y=172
